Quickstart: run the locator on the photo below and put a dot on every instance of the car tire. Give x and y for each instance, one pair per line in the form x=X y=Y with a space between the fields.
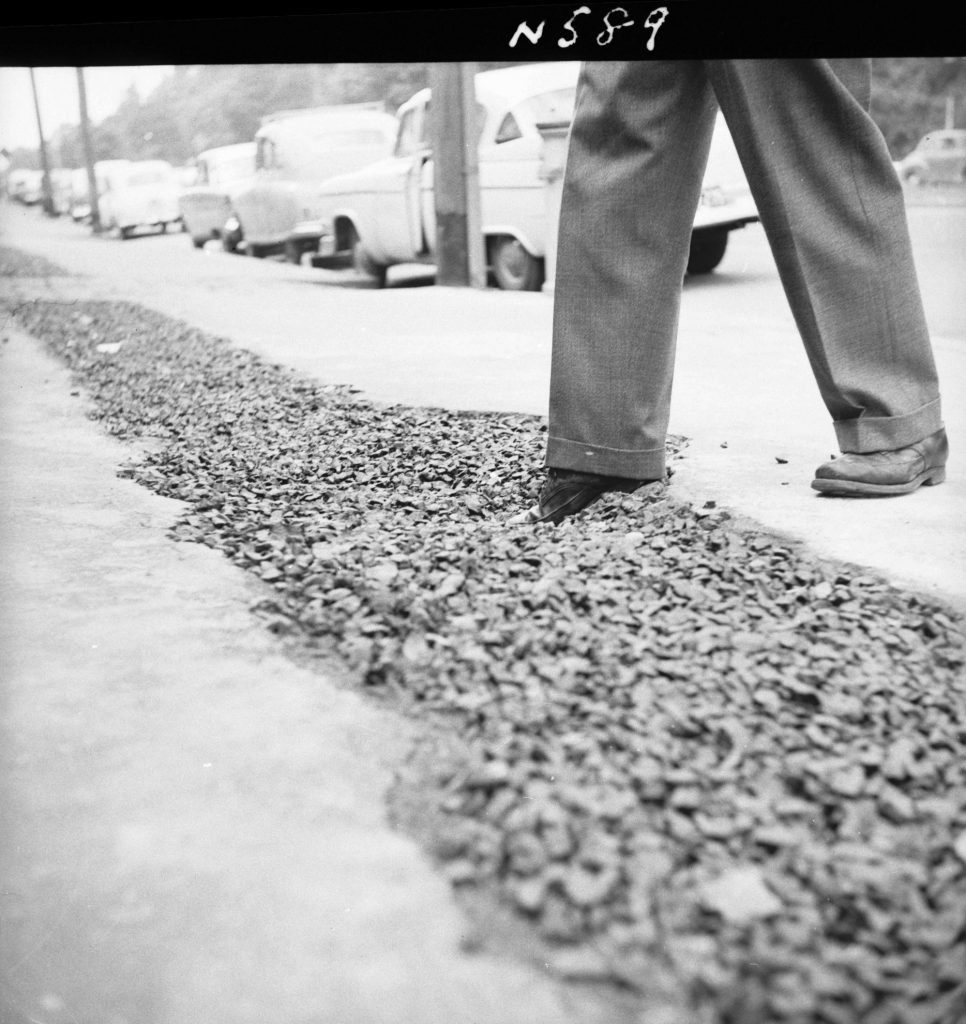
x=258 y=251
x=364 y=264
x=198 y=241
x=707 y=250
x=125 y=233
x=515 y=269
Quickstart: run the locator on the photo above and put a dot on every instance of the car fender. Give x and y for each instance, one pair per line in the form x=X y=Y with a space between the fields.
x=529 y=243
x=913 y=164
x=344 y=217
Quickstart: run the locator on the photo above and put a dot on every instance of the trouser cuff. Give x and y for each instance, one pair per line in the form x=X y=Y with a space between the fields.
x=635 y=464
x=885 y=433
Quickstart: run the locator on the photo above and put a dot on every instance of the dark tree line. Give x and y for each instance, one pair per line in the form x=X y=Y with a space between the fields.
x=206 y=105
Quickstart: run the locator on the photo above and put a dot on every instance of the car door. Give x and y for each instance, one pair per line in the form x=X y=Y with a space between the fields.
x=511 y=190
x=266 y=208
x=398 y=208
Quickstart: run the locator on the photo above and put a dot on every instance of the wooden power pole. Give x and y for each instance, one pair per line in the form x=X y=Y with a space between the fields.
x=456 y=178
x=46 y=186
x=88 y=152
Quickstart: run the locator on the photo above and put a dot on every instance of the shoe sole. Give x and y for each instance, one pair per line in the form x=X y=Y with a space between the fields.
x=857 y=489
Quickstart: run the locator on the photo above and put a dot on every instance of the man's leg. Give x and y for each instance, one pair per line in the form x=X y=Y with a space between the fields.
x=833 y=210
x=638 y=150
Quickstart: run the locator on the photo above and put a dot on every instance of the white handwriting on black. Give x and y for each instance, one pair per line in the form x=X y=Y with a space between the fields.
x=654 y=21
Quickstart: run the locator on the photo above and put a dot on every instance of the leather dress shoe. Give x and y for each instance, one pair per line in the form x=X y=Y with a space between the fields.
x=567 y=492
x=887 y=472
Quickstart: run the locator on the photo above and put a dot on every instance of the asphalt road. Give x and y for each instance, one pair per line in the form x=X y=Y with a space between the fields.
x=937 y=221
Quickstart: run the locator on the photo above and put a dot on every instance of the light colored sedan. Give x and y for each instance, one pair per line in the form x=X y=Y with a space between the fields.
x=939 y=156
x=206 y=205
x=138 y=194
x=278 y=211
x=385 y=214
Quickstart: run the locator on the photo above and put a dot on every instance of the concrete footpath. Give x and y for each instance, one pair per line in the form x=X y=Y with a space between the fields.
x=193 y=827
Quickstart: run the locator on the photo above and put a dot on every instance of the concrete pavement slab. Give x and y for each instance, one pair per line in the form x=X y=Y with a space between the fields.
x=193 y=826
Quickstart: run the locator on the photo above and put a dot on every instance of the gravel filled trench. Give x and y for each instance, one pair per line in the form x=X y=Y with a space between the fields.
x=694 y=758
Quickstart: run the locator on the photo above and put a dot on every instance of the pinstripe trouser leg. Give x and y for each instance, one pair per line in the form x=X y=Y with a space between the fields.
x=833 y=212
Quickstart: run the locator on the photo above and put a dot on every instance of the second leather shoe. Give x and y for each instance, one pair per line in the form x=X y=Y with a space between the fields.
x=567 y=492
x=883 y=473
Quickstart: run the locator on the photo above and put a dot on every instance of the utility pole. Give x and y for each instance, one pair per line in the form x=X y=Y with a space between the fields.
x=456 y=177
x=88 y=152
x=48 y=192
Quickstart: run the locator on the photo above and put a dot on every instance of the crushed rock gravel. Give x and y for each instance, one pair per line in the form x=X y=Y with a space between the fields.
x=692 y=758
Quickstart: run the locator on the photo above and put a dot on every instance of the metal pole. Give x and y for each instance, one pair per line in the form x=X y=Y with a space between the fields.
x=48 y=193
x=88 y=152
x=456 y=178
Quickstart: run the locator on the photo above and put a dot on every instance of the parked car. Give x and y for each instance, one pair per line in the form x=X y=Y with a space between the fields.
x=136 y=194
x=280 y=209
x=79 y=199
x=725 y=203
x=26 y=186
x=80 y=196
x=384 y=214
x=61 y=181
x=938 y=156
x=206 y=205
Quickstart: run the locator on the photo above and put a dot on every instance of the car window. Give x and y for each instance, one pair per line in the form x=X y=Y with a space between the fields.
x=508 y=130
x=150 y=176
x=230 y=170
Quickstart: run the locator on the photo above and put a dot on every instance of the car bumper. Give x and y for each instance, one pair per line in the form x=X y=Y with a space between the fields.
x=326 y=256
x=306 y=231
x=719 y=210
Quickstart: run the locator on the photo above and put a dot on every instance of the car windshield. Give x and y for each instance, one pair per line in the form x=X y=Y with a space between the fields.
x=328 y=141
x=154 y=176
x=232 y=169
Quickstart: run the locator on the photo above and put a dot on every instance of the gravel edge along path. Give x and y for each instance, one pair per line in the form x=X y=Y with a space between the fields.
x=670 y=752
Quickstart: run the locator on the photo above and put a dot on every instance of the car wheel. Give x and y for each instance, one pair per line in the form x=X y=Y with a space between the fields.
x=364 y=264
x=198 y=242
x=124 y=233
x=258 y=251
x=515 y=269
x=707 y=251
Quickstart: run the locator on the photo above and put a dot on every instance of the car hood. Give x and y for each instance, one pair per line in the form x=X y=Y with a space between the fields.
x=366 y=179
